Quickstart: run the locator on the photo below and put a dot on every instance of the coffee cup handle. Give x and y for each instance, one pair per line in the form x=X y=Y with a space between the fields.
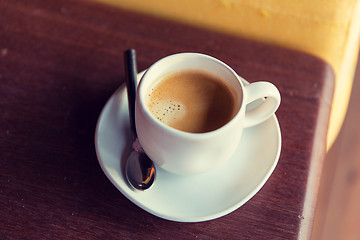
x=270 y=102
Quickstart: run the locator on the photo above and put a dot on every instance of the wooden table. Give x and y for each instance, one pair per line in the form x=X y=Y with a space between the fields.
x=59 y=63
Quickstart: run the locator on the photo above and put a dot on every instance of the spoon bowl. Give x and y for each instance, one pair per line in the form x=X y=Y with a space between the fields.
x=140 y=172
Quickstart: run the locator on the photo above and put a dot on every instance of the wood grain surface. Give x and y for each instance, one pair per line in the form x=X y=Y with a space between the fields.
x=59 y=63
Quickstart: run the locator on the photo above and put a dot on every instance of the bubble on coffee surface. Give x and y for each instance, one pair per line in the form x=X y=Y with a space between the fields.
x=167 y=111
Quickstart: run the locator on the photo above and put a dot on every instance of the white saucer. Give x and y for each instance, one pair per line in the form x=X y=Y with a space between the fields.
x=195 y=198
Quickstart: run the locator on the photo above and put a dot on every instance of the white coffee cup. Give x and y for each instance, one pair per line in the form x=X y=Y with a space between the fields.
x=192 y=153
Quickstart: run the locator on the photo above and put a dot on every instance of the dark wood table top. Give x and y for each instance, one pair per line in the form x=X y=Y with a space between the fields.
x=60 y=61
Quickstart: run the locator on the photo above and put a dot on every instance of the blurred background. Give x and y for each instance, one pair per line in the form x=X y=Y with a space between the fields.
x=337 y=214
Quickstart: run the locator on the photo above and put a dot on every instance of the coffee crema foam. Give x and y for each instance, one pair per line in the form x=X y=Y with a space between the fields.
x=193 y=101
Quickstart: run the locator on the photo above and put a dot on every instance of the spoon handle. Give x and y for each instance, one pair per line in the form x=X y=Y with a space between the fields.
x=131 y=85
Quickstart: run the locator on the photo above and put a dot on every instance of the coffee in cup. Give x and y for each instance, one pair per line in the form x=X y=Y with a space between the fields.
x=193 y=101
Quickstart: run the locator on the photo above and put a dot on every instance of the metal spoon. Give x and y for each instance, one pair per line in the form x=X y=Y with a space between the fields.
x=140 y=170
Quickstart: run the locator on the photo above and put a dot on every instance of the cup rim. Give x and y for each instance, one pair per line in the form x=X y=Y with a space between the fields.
x=182 y=133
